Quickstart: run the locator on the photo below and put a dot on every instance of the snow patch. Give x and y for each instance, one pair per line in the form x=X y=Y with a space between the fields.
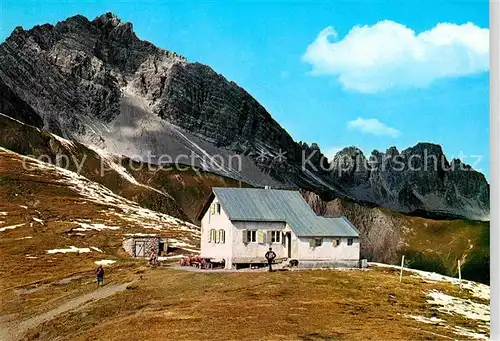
x=117 y=167
x=3 y=213
x=28 y=237
x=478 y=290
x=99 y=227
x=105 y=262
x=141 y=234
x=24 y=124
x=430 y=320
x=469 y=333
x=71 y=249
x=467 y=308
x=96 y=249
x=2 y=229
x=38 y=220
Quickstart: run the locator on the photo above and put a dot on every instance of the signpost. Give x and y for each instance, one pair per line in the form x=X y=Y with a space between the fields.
x=402 y=265
x=459 y=275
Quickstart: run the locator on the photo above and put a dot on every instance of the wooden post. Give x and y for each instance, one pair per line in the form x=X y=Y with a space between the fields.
x=402 y=265
x=459 y=275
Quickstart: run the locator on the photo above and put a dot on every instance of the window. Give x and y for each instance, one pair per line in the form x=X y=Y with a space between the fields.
x=212 y=236
x=251 y=236
x=336 y=242
x=222 y=236
x=315 y=242
x=214 y=208
x=275 y=236
x=349 y=241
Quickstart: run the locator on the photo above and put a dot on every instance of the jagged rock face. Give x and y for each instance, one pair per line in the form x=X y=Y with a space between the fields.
x=418 y=178
x=96 y=82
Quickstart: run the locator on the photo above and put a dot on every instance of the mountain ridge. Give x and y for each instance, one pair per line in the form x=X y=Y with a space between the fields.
x=97 y=83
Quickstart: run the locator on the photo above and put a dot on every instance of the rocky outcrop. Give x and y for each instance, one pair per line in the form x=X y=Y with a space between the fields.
x=419 y=178
x=96 y=82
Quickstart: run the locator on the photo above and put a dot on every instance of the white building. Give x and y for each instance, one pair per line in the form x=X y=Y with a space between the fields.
x=240 y=224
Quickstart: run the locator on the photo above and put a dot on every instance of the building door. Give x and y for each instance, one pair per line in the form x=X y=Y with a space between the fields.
x=140 y=249
x=289 y=244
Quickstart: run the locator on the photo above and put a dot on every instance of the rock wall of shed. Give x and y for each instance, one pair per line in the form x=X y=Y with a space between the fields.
x=151 y=244
x=128 y=246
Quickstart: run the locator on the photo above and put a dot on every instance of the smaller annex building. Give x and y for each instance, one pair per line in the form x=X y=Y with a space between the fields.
x=238 y=225
x=142 y=245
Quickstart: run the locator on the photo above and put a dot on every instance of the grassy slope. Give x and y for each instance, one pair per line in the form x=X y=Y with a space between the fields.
x=27 y=140
x=298 y=305
x=49 y=207
x=428 y=244
x=437 y=245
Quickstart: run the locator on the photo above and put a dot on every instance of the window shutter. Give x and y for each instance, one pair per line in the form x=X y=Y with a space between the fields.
x=217 y=208
x=260 y=237
x=245 y=236
x=212 y=208
x=312 y=242
x=216 y=237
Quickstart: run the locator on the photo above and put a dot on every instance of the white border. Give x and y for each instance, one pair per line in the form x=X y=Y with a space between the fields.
x=494 y=168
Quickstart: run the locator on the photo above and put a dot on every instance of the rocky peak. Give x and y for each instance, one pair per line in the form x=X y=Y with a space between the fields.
x=423 y=149
x=107 y=20
x=393 y=151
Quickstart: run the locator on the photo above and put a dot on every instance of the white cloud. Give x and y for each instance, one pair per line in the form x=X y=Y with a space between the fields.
x=372 y=126
x=388 y=54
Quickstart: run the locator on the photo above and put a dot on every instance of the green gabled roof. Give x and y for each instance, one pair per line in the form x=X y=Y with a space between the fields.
x=256 y=204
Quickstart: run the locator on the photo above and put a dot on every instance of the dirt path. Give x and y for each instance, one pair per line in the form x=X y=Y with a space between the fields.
x=15 y=331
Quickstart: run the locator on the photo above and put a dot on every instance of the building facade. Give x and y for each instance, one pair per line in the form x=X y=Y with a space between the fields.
x=240 y=224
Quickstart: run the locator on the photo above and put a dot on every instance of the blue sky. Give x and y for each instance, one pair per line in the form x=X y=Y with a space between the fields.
x=373 y=87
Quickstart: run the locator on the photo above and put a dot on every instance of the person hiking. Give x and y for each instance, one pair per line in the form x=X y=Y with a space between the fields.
x=153 y=258
x=100 y=275
x=270 y=256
